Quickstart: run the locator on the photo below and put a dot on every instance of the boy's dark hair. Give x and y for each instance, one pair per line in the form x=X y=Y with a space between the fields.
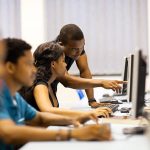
x=15 y=49
x=69 y=32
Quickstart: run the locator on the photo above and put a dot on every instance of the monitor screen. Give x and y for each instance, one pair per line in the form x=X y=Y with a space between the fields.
x=138 y=84
x=125 y=76
x=130 y=77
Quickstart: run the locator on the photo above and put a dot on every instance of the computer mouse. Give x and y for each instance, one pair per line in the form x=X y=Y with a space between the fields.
x=114 y=101
x=124 y=110
x=106 y=95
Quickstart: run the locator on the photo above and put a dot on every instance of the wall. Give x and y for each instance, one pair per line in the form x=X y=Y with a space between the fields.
x=32 y=21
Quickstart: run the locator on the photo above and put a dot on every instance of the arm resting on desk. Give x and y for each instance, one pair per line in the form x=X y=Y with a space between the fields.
x=45 y=119
x=13 y=134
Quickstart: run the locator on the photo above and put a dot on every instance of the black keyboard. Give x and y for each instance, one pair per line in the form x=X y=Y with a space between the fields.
x=113 y=107
x=110 y=99
x=119 y=94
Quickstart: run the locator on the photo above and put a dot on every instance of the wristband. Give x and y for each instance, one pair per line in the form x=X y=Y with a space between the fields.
x=69 y=134
x=58 y=135
x=91 y=100
x=67 y=137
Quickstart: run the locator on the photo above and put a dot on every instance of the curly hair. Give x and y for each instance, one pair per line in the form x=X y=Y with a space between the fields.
x=43 y=56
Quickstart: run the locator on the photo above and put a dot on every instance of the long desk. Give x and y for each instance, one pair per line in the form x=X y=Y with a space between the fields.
x=134 y=143
x=120 y=141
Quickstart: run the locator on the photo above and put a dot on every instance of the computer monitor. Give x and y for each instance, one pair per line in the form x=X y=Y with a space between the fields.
x=130 y=77
x=138 y=84
x=125 y=76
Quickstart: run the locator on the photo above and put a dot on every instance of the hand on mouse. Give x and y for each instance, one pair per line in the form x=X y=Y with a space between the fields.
x=92 y=132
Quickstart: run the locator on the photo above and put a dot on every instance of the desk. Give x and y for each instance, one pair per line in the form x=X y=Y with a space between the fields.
x=134 y=143
x=120 y=142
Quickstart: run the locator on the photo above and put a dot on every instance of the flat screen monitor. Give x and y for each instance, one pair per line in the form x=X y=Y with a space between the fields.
x=138 y=84
x=125 y=76
x=130 y=77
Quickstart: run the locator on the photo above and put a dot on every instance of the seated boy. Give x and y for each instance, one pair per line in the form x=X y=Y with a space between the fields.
x=17 y=118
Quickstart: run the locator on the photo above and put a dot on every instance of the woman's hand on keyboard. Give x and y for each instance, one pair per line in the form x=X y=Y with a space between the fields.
x=86 y=117
x=113 y=84
x=102 y=112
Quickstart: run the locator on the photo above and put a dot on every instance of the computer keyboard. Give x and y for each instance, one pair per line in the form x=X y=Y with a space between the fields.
x=113 y=107
x=110 y=99
x=119 y=94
